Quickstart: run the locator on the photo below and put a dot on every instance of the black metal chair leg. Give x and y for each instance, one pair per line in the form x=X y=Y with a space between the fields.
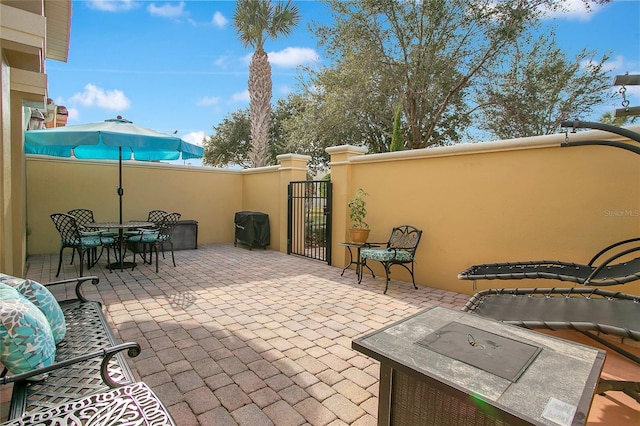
x=81 y=255
x=157 y=260
x=59 y=262
x=413 y=278
x=386 y=272
x=172 y=256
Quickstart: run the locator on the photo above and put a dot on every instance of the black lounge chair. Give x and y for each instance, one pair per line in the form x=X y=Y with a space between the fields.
x=585 y=309
x=605 y=273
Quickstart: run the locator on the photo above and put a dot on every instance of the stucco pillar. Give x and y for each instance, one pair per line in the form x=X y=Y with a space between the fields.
x=293 y=167
x=341 y=170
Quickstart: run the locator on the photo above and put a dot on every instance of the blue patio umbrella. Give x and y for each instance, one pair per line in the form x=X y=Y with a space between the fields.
x=115 y=139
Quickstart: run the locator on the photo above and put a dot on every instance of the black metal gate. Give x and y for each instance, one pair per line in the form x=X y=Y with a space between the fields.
x=309 y=219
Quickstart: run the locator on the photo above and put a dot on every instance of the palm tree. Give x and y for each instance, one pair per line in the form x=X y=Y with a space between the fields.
x=256 y=21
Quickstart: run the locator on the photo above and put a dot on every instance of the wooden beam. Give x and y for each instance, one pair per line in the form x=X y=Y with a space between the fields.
x=623 y=112
x=627 y=80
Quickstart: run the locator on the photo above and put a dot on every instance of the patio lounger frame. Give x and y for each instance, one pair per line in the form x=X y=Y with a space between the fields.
x=588 y=310
x=605 y=273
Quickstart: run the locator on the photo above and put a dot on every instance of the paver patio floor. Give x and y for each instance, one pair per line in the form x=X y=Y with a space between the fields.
x=232 y=336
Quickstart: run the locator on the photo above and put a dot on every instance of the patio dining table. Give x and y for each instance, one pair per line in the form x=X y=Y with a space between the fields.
x=121 y=227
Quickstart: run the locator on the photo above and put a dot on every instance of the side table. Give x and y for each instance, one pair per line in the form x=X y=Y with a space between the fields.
x=357 y=260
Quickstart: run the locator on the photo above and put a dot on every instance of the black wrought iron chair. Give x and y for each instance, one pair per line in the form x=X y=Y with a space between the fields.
x=399 y=250
x=156 y=238
x=83 y=217
x=71 y=236
x=154 y=216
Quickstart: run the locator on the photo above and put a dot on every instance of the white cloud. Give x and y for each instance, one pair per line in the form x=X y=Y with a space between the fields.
x=620 y=65
x=574 y=10
x=166 y=10
x=208 y=100
x=74 y=114
x=222 y=61
x=247 y=58
x=293 y=56
x=284 y=89
x=194 y=137
x=240 y=96
x=219 y=20
x=92 y=95
x=290 y=57
x=112 y=5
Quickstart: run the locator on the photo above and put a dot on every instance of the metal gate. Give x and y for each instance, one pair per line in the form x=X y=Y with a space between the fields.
x=309 y=219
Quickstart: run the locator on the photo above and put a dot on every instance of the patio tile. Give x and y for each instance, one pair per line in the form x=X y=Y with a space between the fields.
x=218 y=416
x=232 y=397
x=201 y=400
x=184 y=412
x=352 y=391
x=251 y=415
x=248 y=381
x=283 y=414
x=315 y=412
x=293 y=394
x=238 y=337
x=346 y=410
x=264 y=397
x=187 y=380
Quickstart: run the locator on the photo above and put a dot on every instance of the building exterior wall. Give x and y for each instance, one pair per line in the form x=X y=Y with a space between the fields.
x=23 y=83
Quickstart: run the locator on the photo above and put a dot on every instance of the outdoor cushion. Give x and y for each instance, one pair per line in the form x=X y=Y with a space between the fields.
x=145 y=237
x=40 y=296
x=26 y=340
x=386 y=255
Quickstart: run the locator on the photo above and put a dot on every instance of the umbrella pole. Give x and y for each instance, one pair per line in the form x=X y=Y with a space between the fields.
x=120 y=190
x=120 y=194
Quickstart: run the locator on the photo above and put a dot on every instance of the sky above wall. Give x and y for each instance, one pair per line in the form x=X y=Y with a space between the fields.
x=177 y=66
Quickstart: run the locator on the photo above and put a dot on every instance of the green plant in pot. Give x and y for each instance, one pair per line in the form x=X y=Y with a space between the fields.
x=359 y=231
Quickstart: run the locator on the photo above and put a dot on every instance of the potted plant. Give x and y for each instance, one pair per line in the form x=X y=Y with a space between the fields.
x=359 y=231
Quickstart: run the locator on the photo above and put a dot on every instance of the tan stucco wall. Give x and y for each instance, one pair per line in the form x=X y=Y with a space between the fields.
x=527 y=199
x=209 y=196
x=511 y=200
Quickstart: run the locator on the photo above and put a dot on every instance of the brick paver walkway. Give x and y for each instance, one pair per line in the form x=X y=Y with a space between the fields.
x=232 y=336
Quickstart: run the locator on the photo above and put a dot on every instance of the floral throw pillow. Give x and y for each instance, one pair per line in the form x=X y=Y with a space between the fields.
x=26 y=340
x=40 y=296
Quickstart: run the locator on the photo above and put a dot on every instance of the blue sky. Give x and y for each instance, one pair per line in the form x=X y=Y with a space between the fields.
x=178 y=65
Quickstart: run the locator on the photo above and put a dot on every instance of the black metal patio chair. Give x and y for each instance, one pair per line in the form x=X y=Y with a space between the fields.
x=83 y=217
x=399 y=250
x=72 y=237
x=156 y=238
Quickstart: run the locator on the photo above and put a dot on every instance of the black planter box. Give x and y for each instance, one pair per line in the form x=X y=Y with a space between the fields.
x=252 y=229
